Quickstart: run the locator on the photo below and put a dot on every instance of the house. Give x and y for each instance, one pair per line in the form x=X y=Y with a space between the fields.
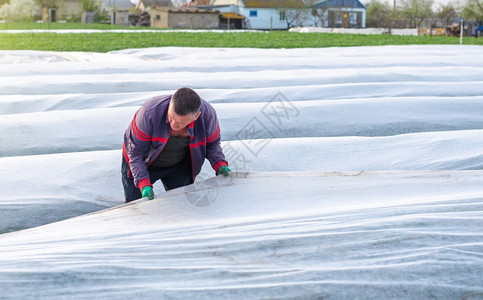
x=66 y=10
x=141 y=12
x=264 y=14
x=50 y=14
x=230 y=20
x=119 y=11
x=340 y=13
x=144 y=5
x=185 y=17
x=118 y=4
x=120 y=17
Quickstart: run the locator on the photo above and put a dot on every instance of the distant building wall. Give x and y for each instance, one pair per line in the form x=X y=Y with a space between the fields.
x=264 y=18
x=347 y=18
x=120 y=17
x=189 y=18
x=49 y=14
x=159 y=18
x=70 y=10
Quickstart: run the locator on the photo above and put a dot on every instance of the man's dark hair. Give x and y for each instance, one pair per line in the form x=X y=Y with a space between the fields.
x=186 y=101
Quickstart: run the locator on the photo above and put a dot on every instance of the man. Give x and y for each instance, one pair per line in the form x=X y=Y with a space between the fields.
x=168 y=139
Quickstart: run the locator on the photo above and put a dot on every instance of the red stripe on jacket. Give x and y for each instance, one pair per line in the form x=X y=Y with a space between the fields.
x=138 y=133
x=210 y=139
x=144 y=137
x=214 y=136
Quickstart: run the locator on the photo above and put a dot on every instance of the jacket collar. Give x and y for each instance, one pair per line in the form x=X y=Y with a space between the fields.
x=190 y=129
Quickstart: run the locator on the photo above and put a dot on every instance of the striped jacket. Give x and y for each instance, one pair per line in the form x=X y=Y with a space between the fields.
x=149 y=131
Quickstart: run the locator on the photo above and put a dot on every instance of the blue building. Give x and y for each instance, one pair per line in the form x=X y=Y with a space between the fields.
x=340 y=13
x=264 y=14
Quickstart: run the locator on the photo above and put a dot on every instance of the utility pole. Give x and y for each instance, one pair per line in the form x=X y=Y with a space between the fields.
x=461 y=31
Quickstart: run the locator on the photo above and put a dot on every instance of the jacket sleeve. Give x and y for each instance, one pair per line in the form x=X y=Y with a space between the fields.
x=139 y=144
x=214 y=152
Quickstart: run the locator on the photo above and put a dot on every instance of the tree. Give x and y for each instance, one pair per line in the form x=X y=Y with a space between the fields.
x=447 y=13
x=18 y=10
x=290 y=11
x=416 y=10
x=293 y=17
x=378 y=13
x=100 y=14
x=473 y=9
x=318 y=16
x=89 y=5
x=46 y=3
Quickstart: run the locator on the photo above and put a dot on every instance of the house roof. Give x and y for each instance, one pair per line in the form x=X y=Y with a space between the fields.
x=339 y=4
x=197 y=3
x=149 y=3
x=185 y=10
x=274 y=3
x=231 y=15
x=117 y=4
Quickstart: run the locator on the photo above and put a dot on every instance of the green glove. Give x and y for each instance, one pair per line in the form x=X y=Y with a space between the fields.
x=223 y=170
x=148 y=192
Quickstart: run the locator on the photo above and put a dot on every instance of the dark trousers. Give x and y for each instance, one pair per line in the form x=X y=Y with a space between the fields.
x=172 y=177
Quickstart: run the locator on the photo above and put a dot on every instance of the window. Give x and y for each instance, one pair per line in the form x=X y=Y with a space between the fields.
x=353 y=18
x=282 y=15
x=338 y=18
x=158 y=17
x=253 y=13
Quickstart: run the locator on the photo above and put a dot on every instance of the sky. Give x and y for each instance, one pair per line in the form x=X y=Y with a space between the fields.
x=436 y=3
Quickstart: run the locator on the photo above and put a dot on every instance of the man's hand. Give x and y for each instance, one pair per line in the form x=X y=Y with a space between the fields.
x=223 y=170
x=148 y=192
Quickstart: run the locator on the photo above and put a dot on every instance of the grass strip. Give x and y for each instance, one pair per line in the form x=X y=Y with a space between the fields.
x=108 y=41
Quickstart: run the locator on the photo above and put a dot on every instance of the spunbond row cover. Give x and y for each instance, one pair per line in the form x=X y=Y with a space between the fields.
x=357 y=173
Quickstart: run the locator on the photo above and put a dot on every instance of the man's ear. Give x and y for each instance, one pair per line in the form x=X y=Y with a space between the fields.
x=197 y=115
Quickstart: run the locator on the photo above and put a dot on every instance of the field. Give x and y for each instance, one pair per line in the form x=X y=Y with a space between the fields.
x=357 y=174
x=108 y=41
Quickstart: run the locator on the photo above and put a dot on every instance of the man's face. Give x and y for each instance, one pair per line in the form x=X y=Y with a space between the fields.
x=178 y=122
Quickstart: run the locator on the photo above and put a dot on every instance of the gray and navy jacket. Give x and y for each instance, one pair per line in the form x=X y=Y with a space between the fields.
x=149 y=131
